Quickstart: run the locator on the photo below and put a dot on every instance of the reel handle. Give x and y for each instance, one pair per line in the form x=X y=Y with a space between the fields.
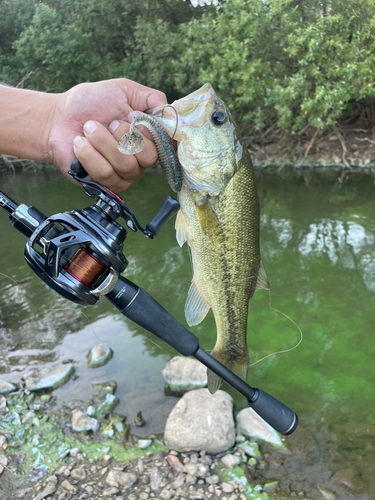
x=78 y=169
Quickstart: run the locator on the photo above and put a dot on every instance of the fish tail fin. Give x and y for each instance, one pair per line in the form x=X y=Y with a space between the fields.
x=238 y=366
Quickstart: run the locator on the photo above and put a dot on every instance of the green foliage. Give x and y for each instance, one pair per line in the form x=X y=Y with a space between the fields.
x=274 y=62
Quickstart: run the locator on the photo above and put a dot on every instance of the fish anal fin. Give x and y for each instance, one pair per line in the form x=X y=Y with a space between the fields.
x=262 y=281
x=196 y=307
x=239 y=367
x=181 y=228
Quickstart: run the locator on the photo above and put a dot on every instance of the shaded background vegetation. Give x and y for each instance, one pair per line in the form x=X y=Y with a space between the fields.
x=285 y=63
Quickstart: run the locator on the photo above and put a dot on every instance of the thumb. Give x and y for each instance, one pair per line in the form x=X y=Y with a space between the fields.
x=140 y=97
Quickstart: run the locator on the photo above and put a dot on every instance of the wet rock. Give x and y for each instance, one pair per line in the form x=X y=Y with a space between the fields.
x=327 y=494
x=7 y=387
x=48 y=378
x=251 y=424
x=3 y=404
x=179 y=481
x=230 y=460
x=118 y=478
x=101 y=387
x=21 y=492
x=250 y=449
x=107 y=406
x=139 y=420
x=345 y=477
x=81 y=422
x=144 y=443
x=184 y=374
x=48 y=490
x=201 y=421
x=99 y=355
x=3 y=461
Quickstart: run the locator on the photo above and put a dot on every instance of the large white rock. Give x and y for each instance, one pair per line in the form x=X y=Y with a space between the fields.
x=251 y=424
x=48 y=378
x=201 y=421
x=184 y=374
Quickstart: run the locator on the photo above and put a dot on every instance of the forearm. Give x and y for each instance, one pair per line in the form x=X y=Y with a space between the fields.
x=25 y=120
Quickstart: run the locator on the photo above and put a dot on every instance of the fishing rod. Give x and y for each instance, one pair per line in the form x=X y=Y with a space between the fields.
x=79 y=254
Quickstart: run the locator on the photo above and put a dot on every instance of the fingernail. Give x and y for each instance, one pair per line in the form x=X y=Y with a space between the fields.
x=78 y=141
x=89 y=127
x=113 y=125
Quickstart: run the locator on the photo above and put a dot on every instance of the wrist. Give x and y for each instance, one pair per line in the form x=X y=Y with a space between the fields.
x=25 y=122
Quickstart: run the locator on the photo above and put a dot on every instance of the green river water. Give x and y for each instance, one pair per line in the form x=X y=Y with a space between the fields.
x=318 y=248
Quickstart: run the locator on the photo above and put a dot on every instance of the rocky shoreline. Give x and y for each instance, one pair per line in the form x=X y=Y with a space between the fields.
x=86 y=450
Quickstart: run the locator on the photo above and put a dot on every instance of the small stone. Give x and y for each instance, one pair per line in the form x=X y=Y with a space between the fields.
x=189 y=479
x=191 y=469
x=68 y=486
x=118 y=478
x=156 y=477
x=45 y=398
x=272 y=485
x=107 y=406
x=175 y=463
x=62 y=496
x=140 y=466
x=227 y=488
x=240 y=438
x=90 y=411
x=110 y=491
x=345 y=477
x=48 y=490
x=214 y=479
x=327 y=494
x=250 y=449
x=66 y=472
x=139 y=420
x=252 y=461
x=230 y=460
x=78 y=474
x=109 y=387
x=3 y=440
x=81 y=422
x=3 y=462
x=143 y=495
x=52 y=479
x=99 y=355
x=7 y=387
x=107 y=458
x=144 y=443
x=74 y=452
x=179 y=481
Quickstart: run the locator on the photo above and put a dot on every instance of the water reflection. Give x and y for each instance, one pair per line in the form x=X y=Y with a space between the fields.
x=318 y=246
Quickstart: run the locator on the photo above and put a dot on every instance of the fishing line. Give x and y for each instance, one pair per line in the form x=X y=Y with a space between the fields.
x=6 y=276
x=175 y=110
x=284 y=350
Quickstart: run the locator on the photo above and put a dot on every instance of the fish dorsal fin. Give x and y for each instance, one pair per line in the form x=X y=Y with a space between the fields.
x=181 y=228
x=262 y=281
x=196 y=307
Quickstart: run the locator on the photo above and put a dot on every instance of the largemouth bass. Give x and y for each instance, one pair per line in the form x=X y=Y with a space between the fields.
x=219 y=219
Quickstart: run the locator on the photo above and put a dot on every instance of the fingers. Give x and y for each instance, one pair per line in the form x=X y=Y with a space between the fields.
x=98 y=153
x=141 y=98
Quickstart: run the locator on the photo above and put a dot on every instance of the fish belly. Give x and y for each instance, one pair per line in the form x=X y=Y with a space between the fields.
x=223 y=234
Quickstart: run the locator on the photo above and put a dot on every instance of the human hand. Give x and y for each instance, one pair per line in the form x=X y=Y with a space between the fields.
x=89 y=120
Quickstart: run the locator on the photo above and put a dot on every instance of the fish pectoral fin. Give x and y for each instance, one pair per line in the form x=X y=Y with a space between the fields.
x=209 y=223
x=181 y=228
x=262 y=281
x=196 y=307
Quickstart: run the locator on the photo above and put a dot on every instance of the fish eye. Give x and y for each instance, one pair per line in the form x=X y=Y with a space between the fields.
x=218 y=118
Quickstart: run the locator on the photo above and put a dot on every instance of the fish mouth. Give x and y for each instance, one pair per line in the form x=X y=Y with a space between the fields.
x=189 y=110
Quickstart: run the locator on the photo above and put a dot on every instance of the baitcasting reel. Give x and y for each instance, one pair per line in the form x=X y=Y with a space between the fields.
x=79 y=254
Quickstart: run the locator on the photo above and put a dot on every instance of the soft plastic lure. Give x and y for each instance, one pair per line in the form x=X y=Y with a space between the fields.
x=133 y=143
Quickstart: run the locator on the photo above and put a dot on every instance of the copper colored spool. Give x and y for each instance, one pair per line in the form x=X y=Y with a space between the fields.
x=84 y=267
